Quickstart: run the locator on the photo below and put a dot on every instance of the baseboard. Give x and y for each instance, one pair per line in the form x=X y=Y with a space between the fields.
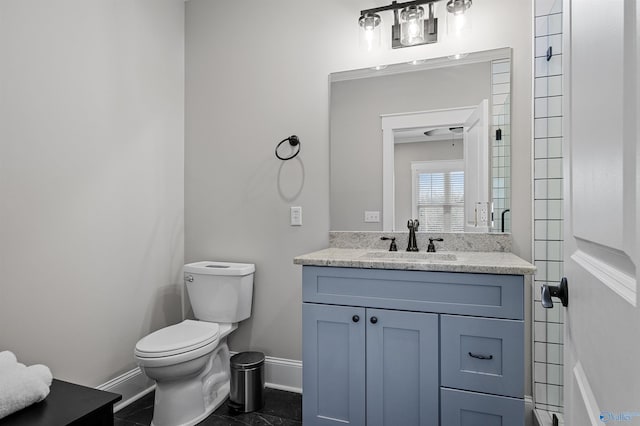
x=283 y=374
x=279 y=373
x=132 y=385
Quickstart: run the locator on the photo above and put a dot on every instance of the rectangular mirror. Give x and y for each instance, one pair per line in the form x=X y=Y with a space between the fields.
x=427 y=140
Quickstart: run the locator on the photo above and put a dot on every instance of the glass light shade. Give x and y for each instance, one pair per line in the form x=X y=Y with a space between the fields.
x=411 y=25
x=370 y=31
x=458 y=19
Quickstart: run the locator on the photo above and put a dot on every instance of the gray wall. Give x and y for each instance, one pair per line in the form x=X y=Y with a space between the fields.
x=404 y=154
x=356 y=135
x=247 y=90
x=91 y=180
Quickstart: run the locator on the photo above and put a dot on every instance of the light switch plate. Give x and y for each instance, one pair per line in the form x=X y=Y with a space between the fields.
x=296 y=215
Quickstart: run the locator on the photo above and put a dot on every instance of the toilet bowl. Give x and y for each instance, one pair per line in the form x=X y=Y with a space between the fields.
x=190 y=361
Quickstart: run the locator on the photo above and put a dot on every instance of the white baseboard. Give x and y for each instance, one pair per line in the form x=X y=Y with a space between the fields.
x=283 y=374
x=279 y=373
x=132 y=385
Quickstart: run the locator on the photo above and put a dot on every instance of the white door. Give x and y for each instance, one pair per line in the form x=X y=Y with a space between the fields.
x=476 y=170
x=602 y=320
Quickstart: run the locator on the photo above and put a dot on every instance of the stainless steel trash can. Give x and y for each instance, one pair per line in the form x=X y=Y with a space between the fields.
x=247 y=381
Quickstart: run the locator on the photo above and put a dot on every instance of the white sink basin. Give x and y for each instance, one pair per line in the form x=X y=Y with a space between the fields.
x=410 y=256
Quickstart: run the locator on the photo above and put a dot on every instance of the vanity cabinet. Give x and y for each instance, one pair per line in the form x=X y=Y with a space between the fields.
x=391 y=347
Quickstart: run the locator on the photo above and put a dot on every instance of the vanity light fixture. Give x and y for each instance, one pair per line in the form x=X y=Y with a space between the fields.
x=414 y=22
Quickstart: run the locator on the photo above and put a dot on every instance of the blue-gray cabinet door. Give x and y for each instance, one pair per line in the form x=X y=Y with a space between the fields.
x=402 y=368
x=333 y=358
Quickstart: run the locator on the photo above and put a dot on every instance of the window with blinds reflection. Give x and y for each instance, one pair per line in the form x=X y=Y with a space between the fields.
x=438 y=195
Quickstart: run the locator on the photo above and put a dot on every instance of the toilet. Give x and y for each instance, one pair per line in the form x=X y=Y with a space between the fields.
x=189 y=361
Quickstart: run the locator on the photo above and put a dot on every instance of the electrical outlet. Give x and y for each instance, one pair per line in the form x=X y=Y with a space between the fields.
x=372 y=216
x=483 y=213
x=296 y=216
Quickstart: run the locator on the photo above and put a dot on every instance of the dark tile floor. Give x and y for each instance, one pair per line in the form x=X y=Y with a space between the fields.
x=280 y=409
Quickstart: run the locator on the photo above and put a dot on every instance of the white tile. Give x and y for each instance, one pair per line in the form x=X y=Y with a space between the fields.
x=548 y=127
x=543 y=43
x=548 y=251
x=554 y=147
x=540 y=372
x=501 y=88
x=550 y=189
x=502 y=77
x=541 y=107
x=542 y=26
x=548 y=25
x=554 y=168
x=547 y=7
x=498 y=109
x=555 y=24
x=540 y=169
x=555 y=374
x=547 y=68
x=500 y=67
x=500 y=99
x=554 y=395
x=548 y=209
x=548 y=86
x=540 y=393
x=541 y=149
x=541 y=127
x=548 y=332
x=554 y=106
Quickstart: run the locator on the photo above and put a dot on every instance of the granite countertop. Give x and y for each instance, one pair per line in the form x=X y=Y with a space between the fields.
x=459 y=261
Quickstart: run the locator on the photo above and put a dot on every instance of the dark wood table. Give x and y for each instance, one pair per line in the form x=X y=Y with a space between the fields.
x=67 y=404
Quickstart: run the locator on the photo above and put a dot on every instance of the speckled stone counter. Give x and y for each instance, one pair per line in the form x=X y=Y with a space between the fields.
x=493 y=262
x=453 y=241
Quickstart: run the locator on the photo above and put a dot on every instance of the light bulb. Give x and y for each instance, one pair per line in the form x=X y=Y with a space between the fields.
x=370 y=31
x=412 y=25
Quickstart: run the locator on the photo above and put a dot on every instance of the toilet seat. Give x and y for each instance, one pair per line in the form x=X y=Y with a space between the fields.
x=187 y=336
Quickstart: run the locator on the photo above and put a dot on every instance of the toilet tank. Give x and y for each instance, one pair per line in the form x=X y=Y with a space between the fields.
x=220 y=291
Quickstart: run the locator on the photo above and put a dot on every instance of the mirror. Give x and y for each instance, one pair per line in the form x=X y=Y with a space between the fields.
x=427 y=140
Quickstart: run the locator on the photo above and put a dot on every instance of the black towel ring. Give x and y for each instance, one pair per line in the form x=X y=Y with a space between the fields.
x=293 y=141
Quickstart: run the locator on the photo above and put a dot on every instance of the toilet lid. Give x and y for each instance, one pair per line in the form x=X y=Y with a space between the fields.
x=176 y=339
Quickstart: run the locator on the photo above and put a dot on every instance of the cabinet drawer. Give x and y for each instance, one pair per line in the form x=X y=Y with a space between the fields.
x=462 y=408
x=487 y=295
x=482 y=354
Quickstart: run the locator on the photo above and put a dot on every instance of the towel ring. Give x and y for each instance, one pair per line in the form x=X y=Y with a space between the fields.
x=293 y=141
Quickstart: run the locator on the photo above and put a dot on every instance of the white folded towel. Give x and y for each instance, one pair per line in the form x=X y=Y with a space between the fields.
x=7 y=360
x=21 y=386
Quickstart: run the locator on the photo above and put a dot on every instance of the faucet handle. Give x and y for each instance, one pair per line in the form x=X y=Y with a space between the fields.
x=393 y=246
x=431 y=248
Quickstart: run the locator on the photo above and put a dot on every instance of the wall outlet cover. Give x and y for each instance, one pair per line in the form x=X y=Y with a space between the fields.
x=372 y=216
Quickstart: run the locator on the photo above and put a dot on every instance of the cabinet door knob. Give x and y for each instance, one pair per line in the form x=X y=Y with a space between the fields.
x=355 y=318
x=373 y=320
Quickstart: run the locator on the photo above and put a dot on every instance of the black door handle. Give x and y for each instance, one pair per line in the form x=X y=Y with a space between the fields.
x=355 y=318
x=373 y=320
x=560 y=291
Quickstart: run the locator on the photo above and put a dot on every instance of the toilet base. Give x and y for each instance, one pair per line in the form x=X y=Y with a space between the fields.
x=187 y=401
x=223 y=393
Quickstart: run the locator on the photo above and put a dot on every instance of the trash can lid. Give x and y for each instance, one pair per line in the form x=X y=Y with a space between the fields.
x=247 y=360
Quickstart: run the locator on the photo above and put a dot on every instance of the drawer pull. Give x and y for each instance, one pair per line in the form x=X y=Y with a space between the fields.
x=355 y=318
x=480 y=356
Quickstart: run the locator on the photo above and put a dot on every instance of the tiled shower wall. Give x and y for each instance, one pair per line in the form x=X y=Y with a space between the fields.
x=548 y=238
x=501 y=147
